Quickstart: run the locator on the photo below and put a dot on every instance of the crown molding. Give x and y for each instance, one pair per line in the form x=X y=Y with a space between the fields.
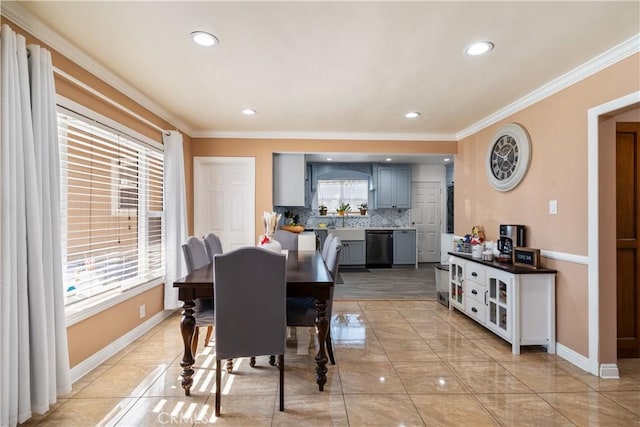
x=327 y=135
x=15 y=12
x=599 y=63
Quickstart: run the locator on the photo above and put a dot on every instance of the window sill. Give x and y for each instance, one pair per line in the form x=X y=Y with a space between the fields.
x=88 y=308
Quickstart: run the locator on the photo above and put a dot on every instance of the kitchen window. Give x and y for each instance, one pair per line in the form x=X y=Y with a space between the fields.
x=333 y=193
x=111 y=208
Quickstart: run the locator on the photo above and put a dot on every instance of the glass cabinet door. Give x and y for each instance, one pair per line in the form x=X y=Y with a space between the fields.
x=498 y=304
x=456 y=280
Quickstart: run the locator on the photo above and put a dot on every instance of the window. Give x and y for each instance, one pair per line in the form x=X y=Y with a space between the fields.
x=112 y=198
x=332 y=193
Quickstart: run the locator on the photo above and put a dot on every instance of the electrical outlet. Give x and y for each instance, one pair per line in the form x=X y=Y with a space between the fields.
x=553 y=207
x=143 y=310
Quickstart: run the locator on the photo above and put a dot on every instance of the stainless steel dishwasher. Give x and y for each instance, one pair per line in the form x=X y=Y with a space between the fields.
x=379 y=248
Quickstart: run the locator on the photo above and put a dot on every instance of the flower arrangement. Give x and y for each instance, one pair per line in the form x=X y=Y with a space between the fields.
x=363 y=208
x=322 y=209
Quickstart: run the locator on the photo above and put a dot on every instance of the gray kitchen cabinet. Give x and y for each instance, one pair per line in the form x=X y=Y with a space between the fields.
x=289 y=184
x=394 y=187
x=352 y=253
x=404 y=247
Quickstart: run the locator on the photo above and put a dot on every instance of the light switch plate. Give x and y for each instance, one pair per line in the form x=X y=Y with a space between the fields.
x=553 y=207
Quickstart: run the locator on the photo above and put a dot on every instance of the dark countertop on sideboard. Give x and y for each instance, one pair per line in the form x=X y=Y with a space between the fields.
x=508 y=267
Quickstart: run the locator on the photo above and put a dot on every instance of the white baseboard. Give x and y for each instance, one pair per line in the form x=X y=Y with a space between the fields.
x=609 y=371
x=92 y=362
x=573 y=357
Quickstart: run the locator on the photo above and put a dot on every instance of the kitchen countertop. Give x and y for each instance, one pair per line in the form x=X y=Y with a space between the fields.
x=364 y=228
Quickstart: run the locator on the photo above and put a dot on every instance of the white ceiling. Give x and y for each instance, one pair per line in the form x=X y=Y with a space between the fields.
x=348 y=69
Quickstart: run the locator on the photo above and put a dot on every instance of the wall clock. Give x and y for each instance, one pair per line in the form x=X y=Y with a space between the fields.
x=508 y=157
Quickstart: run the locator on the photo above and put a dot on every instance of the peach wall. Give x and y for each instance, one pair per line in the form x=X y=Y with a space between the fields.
x=262 y=150
x=558 y=171
x=90 y=335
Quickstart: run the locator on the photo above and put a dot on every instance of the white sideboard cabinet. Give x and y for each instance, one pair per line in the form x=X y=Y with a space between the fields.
x=516 y=303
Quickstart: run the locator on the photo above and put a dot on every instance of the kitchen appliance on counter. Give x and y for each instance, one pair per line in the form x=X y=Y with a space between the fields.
x=379 y=248
x=511 y=236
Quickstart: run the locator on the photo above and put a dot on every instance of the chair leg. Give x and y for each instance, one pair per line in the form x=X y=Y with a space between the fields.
x=272 y=360
x=329 y=345
x=194 y=341
x=252 y=361
x=208 y=337
x=218 y=374
x=281 y=369
x=229 y=365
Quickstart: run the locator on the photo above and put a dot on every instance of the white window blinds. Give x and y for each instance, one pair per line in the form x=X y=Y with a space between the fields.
x=111 y=189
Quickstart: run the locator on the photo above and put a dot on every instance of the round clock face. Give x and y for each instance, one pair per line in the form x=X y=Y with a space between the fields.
x=508 y=157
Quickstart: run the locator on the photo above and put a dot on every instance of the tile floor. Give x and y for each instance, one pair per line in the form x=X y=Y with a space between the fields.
x=399 y=363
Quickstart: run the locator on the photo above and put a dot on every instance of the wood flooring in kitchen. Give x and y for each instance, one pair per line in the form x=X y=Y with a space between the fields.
x=398 y=283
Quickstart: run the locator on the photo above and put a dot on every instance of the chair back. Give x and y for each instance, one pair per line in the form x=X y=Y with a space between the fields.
x=249 y=287
x=287 y=239
x=212 y=244
x=326 y=245
x=333 y=257
x=195 y=253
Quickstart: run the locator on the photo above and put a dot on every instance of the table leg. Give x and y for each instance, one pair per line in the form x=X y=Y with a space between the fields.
x=187 y=327
x=322 y=328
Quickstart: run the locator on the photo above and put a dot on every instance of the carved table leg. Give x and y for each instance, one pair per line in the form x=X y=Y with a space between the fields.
x=322 y=328
x=187 y=327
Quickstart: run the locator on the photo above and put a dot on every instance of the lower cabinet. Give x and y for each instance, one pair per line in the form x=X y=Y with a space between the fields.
x=352 y=253
x=404 y=247
x=517 y=304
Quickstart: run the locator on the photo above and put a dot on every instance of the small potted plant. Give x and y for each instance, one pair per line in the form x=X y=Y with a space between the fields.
x=343 y=209
x=322 y=209
x=363 y=208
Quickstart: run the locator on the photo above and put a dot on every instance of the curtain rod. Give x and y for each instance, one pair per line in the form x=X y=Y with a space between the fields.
x=107 y=99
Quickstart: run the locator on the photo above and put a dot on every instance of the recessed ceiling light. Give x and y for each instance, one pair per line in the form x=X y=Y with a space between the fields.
x=412 y=114
x=203 y=38
x=478 y=48
x=446 y=159
x=249 y=112
x=388 y=159
x=329 y=159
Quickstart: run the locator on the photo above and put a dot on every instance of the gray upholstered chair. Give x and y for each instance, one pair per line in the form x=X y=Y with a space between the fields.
x=302 y=311
x=250 y=288
x=326 y=245
x=195 y=257
x=287 y=239
x=212 y=244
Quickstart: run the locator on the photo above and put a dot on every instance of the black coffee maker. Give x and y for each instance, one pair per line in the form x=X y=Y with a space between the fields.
x=511 y=236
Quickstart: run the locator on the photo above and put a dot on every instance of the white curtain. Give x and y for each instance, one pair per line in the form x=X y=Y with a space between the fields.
x=34 y=364
x=175 y=215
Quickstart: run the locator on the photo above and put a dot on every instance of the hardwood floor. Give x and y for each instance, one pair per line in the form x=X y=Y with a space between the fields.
x=400 y=283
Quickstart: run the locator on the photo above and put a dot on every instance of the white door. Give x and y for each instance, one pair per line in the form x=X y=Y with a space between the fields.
x=224 y=199
x=426 y=217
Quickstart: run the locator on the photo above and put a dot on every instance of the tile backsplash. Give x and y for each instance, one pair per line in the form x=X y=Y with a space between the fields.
x=374 y=218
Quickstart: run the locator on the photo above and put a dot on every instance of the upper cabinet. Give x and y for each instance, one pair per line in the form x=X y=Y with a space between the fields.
x=394 y=186
x=289 y=180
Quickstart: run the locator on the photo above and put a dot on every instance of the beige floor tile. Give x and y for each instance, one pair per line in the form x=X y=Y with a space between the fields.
x=452 y=410
x=381 y=410
x=88 y=412
x=241 y=411
x=375 y=305
x=122 y=381
x=488 y=377
x=319 y=410
x=593 y=409
x=163 y=411
x=369 y=377
x=346 y=306
x=168 y=383
x=522 y=410
x=301 y=380
x=405 y=306
x=629 y=399
x=364 y=351
x=86 y=380
x=395 y=330
x=384 y=316
x=542 y=376
x=408 y=350
x=429 y=377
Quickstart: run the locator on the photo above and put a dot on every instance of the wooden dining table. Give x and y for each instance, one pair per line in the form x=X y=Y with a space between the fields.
x=307 y=276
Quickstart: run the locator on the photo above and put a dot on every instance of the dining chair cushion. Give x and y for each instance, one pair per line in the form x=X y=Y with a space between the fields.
x=326 y=245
